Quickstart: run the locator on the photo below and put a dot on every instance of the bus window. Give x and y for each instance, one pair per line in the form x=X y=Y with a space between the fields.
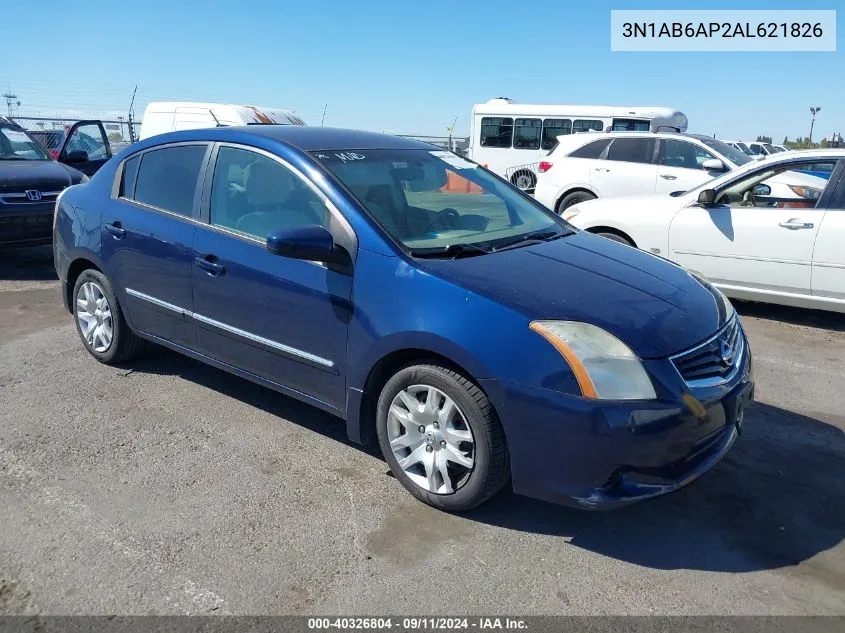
x=527 y=134
x=631 y=125
x=496 y=131
x=552 y=128
x=582 y=125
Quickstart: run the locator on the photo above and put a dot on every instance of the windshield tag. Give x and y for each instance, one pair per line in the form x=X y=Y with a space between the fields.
x=346 y=156
x=453 y=159
x=15 y=136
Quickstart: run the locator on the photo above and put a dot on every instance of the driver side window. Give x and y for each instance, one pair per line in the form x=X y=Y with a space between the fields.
x=794 y=185
x=256 y=195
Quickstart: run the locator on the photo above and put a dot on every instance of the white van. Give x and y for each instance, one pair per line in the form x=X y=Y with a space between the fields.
x=170 y=116
x=510 y=138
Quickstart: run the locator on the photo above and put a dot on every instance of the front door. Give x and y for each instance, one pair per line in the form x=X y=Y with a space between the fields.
x=759 y=234
x=147 y=235
x=85 y=147
x=282 y=319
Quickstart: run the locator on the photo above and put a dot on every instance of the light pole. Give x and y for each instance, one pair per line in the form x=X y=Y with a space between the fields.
x=813 y=112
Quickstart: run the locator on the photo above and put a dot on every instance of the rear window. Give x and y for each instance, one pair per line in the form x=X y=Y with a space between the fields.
x=167 y=178
x=591 y=150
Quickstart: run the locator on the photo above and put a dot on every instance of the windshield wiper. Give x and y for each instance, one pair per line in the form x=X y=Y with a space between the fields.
x=543 y=235
x=451 y=251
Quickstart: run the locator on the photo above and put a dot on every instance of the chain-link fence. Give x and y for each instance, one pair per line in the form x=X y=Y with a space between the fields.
x=457 y=144
x=120 y=132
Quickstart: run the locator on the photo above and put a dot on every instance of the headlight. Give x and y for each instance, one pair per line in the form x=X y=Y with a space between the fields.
x=604 y=366
x=809 y=193
x=570 y=213
x=84 y=180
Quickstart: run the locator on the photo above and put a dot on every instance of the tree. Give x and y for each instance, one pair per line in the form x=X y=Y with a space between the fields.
x=785 y=140
x=764 y=139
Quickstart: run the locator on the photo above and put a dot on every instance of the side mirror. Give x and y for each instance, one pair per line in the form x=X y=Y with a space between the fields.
x=713 y=164
x=312 y=242
x=761 y=191
x=75 y=157
x=707 y=197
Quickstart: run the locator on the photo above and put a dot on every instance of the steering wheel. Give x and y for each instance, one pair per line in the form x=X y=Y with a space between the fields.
x=245 y=219
x=748 y=199
x=449 y=217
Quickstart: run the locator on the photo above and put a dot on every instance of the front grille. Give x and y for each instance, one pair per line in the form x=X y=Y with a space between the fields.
x=22 y=198
x=714 y=361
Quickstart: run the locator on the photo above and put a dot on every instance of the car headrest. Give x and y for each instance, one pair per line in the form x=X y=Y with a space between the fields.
x=268 y=184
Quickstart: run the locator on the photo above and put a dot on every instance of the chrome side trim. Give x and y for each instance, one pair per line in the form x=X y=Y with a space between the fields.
x=287 y=349
x=158 y=302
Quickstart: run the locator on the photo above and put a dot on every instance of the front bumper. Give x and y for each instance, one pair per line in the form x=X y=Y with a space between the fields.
x=604 y=454
x=26 y=224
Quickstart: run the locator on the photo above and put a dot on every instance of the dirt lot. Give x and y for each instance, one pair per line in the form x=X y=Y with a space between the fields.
x=170 y=487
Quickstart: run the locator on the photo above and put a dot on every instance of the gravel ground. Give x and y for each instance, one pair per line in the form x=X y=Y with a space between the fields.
x=170 y=487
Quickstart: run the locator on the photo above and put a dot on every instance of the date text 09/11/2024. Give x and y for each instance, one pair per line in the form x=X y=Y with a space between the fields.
x=722 y=29
x=418 y=623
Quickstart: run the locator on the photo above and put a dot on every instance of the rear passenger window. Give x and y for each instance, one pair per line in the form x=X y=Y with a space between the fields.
x=591 y=150
x=130 y=173
x=552 y=128
x=581 y=125
x=167 y=178
x=632 y=150
x=496 y=131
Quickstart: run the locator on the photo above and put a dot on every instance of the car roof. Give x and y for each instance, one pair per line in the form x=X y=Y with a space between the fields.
x=308 y=138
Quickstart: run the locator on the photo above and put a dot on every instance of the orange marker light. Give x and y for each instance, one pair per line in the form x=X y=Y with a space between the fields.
x=588 y=389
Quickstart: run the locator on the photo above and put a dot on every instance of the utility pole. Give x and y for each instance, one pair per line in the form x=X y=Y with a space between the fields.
x=450 y=129
x=11 y=102
x=131 y=128
x=813 y=112
x=323 y=120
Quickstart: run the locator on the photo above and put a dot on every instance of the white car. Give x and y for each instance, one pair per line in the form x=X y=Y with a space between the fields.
x=582 y=167
x=734 y=231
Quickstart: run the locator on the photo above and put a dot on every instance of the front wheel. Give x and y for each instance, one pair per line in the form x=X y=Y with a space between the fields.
x=441 y=437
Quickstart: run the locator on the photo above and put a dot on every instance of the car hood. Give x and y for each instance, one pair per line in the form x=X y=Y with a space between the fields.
x=42 y=175
x=654 y=306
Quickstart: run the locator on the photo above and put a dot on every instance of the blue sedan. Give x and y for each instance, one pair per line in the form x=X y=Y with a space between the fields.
x=476 y=336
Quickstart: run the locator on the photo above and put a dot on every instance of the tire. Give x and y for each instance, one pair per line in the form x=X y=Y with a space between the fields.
x=616 y=238
x=472 y=415
x=524 y=180
x=90 y=289
x=573 y=198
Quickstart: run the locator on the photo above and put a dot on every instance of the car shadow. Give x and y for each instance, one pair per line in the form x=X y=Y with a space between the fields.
x=774 y=501
x=34 y=263
x=821 y=319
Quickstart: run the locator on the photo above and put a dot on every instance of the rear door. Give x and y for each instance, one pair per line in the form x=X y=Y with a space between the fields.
x=680 y=165
x=828 y=277
x=85 y=147
x=626 y=167
x=148 y=231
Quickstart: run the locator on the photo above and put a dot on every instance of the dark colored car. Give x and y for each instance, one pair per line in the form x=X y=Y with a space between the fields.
x=431 y=305
x=84 y=145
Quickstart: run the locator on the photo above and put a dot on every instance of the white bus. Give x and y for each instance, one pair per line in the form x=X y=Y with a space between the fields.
x=511 y=138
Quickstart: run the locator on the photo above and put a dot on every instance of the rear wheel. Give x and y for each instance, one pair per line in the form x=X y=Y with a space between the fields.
x=524 y=180
x=441 y=437
x=100 y=322
x=573 y=198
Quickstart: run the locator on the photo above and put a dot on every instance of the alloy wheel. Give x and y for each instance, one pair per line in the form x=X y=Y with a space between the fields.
x=93 y=313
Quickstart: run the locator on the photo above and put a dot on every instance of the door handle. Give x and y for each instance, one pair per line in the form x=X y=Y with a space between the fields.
x=208 y=264
x=601 y=169
x=668 y=177
x=117 y=231
x=795 y=224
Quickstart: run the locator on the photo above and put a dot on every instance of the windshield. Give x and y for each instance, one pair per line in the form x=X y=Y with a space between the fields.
x=434 y=201
x=731 y=153
x=15 y=144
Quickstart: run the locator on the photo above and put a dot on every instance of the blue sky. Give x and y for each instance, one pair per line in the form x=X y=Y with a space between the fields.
x=405 y=67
